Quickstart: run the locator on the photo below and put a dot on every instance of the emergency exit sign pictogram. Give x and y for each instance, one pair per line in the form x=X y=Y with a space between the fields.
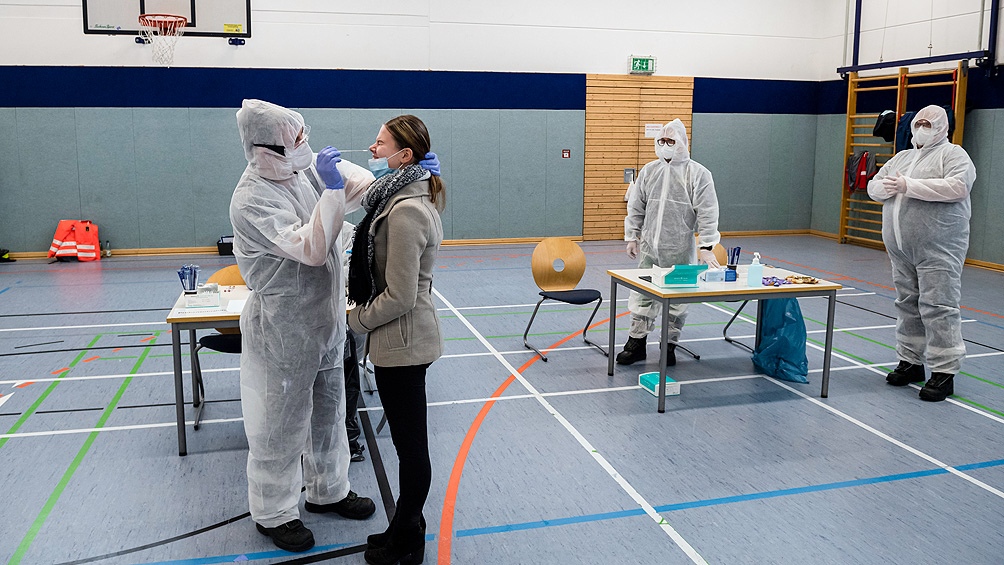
x=641 y=65
x=566 y=153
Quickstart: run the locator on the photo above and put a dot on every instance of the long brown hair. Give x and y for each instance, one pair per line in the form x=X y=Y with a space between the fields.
x=410 y=132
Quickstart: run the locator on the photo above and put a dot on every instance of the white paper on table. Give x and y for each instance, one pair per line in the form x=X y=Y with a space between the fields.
x=236 y=306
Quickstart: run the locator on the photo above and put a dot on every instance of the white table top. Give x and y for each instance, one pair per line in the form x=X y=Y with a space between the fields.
x=723 y=289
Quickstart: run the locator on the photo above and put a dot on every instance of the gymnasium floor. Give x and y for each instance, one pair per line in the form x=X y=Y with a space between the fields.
x=557 y=464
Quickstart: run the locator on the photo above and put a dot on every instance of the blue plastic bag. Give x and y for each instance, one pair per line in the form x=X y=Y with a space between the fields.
x=781 y=353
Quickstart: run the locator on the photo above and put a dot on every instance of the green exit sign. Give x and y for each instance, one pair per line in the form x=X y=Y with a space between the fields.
x=642 y=65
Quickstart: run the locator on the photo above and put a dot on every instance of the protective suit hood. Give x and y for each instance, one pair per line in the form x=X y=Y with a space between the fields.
x=939 y=125
x=679 y=152
x=264 y=123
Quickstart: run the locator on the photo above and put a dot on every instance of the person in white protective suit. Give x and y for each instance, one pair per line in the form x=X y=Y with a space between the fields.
x=287 y=214
x=925 y=228
x=672 y=199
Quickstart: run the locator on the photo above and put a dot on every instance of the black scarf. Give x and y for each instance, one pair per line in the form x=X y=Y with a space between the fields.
x=362 y=285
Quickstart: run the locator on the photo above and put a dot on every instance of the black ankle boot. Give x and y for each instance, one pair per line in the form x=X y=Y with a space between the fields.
x=404 y=546
x=938 y=388
x=634 y=350
x=380 y=540
x=905 y=373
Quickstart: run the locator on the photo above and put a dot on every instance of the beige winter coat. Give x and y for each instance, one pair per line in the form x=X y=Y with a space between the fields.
x=401 y=321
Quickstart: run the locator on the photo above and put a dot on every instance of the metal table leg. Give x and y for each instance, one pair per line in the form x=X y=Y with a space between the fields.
x=663 y=356
x=828 y=348
x=179 y=389
x=612 y=328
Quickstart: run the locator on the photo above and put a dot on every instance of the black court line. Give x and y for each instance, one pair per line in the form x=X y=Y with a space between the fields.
x=324 y=556
x=38 y=344
x=159 y=543
x=100 y=408
x=386 y=494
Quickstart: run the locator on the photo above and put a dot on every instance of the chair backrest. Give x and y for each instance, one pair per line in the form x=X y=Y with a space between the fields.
x=720 y=253
x=227 y=276
x=557 y=264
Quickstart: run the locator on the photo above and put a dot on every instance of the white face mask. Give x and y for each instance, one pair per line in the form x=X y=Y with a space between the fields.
x=665 y=151
x=301 y=157
x=923 y=136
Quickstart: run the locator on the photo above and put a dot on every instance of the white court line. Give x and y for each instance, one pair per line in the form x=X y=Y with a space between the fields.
x=49 y=328
x=856 y=294
x=626 y=486
x=5 y=398
x=118 y=376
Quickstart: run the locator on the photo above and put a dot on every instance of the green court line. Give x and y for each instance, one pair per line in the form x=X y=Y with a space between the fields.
x=43 y=515
x=31 y=410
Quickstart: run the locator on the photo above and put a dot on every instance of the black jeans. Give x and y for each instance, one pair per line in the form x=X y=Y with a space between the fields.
x=402 y=392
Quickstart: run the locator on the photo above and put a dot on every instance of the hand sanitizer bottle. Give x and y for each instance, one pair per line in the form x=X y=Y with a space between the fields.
x=754 y=275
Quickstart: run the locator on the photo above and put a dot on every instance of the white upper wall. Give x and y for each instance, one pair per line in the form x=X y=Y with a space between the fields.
x=773 y=39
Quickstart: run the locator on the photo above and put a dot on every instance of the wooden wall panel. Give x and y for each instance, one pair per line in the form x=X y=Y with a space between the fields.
x=617 y=109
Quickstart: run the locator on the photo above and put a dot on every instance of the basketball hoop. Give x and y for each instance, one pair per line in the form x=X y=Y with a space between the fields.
x=162 y=32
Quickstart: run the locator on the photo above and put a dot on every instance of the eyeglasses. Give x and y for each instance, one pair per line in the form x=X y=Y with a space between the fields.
x=666 y=141
x=303 y=137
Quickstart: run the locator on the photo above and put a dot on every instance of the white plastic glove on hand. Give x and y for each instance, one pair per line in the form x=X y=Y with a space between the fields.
x=895 y=184
x=708 y=257
x=632 y=249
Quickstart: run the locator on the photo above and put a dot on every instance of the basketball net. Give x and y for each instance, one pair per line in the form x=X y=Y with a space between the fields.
x=162 y=32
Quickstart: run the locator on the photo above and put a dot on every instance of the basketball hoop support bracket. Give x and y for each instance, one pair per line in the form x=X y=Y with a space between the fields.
x=236 y=41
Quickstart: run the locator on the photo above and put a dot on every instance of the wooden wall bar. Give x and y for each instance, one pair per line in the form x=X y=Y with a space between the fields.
x=617 y=109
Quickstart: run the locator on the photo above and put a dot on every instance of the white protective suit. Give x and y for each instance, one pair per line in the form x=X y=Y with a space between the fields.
x=286 y=241
x=670 y=202
x=925 y=228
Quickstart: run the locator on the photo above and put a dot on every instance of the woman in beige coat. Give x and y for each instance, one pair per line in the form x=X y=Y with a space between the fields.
x=390 y=280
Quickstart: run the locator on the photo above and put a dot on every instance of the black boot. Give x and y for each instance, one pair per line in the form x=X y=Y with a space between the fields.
x=404 y=546
x=634 y=350
x=671 y=355
x=938 y=388
x=905 y=373
x=291 y=536
x=381 y=539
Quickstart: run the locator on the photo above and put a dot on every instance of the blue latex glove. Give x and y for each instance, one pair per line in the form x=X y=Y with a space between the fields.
x=431 y=163
x=327 y=158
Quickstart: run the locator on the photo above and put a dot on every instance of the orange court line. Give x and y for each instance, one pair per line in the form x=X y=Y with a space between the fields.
x=89 y=359
x=24 y=384
x=453 y=486
x=57 y=371
x=151 y=338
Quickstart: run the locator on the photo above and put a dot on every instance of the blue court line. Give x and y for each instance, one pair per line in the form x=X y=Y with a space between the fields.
x=237 y=557
x=608 y=515
x=5 y=290
x=719 y=501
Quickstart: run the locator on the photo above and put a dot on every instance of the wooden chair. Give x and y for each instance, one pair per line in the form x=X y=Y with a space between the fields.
x=558 y=265
x=228 y=340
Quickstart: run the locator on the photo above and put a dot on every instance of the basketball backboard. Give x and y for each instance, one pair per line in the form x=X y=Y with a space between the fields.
x=206 y=18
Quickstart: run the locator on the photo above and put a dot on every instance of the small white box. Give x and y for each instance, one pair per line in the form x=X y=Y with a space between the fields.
x=650 y=382
x=205 y=297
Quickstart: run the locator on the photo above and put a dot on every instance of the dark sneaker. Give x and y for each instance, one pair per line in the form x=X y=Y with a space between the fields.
x=353 y=506
x=634 y=350
x=357 y=449
x=905 y=373
x=291 y=536
x=939 y=387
